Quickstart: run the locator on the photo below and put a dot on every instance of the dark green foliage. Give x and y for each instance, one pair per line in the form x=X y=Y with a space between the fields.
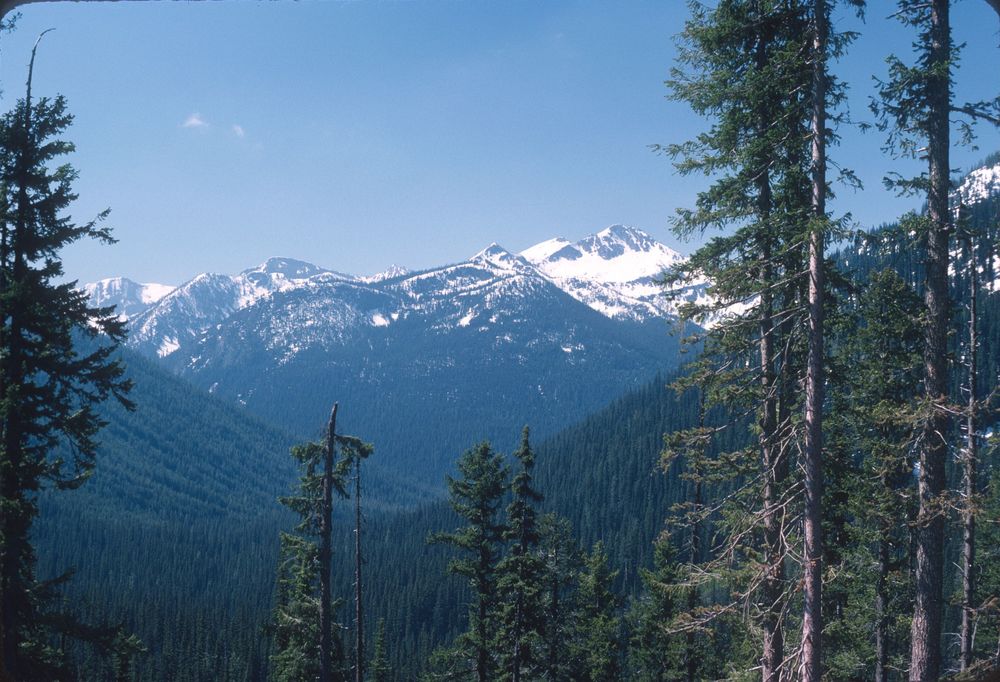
x=50 y=383
x=296 y=628
x=562 y=561
x=656 y=653
x=296 y=613
x=520 y=583
x=476 y=498
x=870 y=475
x=597 y=644
x=379 y=667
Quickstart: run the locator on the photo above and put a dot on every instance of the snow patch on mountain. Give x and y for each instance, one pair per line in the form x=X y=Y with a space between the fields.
x=979 y=185
x=539 y=252
x=189 y=310
x=129 y=298
x=614 y=271
x=392 y=272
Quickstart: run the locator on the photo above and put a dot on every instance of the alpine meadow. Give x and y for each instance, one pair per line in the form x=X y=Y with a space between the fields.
x=757 y=438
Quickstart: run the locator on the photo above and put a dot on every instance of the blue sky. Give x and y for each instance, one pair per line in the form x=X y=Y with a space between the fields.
x=359 y=134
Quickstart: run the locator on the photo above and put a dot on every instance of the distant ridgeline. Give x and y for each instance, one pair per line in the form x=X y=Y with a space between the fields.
x=426 y=361
x=176 y=535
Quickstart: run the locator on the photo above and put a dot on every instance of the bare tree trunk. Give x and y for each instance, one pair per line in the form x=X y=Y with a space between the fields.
x=325 y=553
x=359 y=634
x=971 y=455
x=690 y=655
x=882 y=606
x=925 y=632
x=773 y=652
x=812 y=524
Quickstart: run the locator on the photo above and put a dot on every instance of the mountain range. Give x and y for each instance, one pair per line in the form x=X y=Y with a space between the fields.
x=431 y=361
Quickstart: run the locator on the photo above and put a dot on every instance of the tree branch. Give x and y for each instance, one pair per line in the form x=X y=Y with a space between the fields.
x=979 y=113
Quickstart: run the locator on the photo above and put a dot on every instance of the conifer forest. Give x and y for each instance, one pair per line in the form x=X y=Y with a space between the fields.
x=776 y=457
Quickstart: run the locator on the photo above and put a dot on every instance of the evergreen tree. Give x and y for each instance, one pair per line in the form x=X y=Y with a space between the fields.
x=379 y=667
x=915 y=106
x=656 y=654
x=560 y=572
x=879 y=358
x=521 y=572
x=476 y=498
x=50 y=382
x=354 y=452
x=297 y=654
x=744 y=69
x=597 y=646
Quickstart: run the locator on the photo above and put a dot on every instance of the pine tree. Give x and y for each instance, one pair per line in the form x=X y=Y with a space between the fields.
x=655 y=653
x=521 y=571
x=597 y=648
x=380 y=669
x=297 y=623
x=879 y=358
x=915 y=106
x=354 y=451
x=57 y=364
x=561 y=564
x=476 y=498
x=330 y=482
x=745 y=71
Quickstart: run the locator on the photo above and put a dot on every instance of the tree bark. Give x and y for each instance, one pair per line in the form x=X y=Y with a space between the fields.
x=774 y=648
x=325 y=553
x=359 y=635
x=812 y=525
x=882 y=606
x=925 y=633
x=690 y=654
x=971 y=455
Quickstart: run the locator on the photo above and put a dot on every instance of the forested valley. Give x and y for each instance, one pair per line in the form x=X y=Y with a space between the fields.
x=810 y=491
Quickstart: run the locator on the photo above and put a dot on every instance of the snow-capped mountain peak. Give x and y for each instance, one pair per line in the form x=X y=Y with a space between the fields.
x=618 y=253
x=499 y=257
x=288 y=268
x=391 y=272
x=612 y=271
x=129 y=297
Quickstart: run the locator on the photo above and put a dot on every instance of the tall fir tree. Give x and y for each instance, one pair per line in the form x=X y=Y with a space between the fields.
x=878 y=360
x=379 y=667
x=597 y=646
x=656 y=653
x=521 y=572
x=303 y=650
x=57 y=364
x=297 y=654
x=744 y=67
x=915 y=106
x=356 y=451
x=476 y=498
x=560 y=574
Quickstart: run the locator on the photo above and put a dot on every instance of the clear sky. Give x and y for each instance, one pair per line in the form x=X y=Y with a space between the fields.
x=359 y=134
